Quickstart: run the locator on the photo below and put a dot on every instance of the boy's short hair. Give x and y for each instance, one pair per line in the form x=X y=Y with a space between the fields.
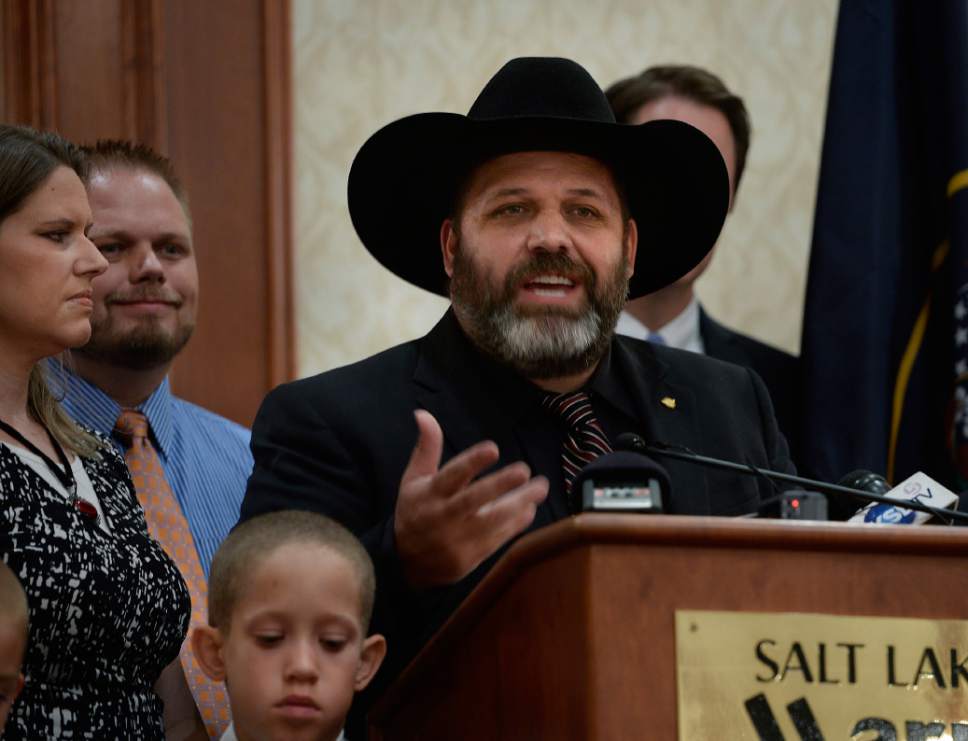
x=13 y=599
x=254 y=540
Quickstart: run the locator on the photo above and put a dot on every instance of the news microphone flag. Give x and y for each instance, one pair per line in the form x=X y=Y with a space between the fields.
x=917 y=488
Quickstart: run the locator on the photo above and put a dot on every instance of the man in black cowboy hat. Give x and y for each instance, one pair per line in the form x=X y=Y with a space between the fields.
x=526 y=214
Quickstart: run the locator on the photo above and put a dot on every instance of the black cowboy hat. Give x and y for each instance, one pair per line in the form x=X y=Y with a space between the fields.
x=405 y=177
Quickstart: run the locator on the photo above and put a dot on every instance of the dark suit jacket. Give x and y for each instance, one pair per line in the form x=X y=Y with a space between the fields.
x=338 y=444
x=780 y=372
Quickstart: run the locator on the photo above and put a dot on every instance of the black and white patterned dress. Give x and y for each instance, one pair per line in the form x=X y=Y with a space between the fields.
x=108 y=611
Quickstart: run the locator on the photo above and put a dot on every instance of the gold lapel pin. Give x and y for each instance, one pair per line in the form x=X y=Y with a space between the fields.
x=668 y=402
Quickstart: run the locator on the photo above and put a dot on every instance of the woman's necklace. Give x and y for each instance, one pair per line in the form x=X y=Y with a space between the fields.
x=62 y=472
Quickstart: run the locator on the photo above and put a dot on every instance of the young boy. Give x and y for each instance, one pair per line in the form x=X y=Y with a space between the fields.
x=289 y=601
x=13 y=639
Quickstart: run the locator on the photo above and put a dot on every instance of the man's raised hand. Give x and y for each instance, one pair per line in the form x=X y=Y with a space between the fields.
x=446 y=520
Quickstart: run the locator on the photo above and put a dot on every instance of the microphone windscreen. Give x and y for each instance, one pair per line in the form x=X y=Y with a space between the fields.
x=624 y=463
x=626 y=467
x=868 y=481
x=630 y=442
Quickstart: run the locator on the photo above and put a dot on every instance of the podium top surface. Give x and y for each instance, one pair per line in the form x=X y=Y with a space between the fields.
x=722 y=532
x=713 y=532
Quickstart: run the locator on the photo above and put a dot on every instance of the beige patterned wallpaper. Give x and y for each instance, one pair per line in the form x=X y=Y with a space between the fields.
x=358 y=64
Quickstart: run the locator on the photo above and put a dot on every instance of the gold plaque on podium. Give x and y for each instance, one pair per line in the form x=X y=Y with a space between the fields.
x=793 y=676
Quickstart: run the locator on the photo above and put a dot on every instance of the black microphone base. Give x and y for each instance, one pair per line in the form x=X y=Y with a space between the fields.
x=796 y=505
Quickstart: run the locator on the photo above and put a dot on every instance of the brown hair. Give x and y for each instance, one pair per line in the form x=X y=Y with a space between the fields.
x=109 y=154
x=27 y=158
x=257 y=538
x=699 y=85
x=13 y=600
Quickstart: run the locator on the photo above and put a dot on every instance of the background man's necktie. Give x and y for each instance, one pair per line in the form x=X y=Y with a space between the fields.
x=167 y=525
x=585 y=440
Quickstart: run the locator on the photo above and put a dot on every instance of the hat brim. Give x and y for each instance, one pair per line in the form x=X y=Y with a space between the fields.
x=405 y=177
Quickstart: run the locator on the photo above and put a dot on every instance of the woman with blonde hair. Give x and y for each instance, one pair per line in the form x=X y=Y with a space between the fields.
x=108 y=608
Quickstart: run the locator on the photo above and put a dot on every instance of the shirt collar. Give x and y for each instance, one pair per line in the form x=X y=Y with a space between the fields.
x=159 y=410
x=89 y=405
x=682 y=332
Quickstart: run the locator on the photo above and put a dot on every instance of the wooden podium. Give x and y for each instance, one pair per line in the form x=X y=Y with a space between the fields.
x=571 y=635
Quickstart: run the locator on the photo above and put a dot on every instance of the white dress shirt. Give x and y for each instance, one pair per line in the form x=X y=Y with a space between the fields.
x=682 y=332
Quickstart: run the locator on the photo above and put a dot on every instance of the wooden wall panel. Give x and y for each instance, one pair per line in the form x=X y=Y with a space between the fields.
x=88 y=71
x=208 y=84
x=216 y=134
x=278 y=184
x=28 y=52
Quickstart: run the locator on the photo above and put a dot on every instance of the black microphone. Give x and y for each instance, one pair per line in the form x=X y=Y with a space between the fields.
x=621 y=481
x=865 y=481
x=843 y=509
x=633 y=442
x=795 y=504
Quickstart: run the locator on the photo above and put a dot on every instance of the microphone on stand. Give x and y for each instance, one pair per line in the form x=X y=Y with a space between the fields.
x=874 y=483
x=621 y=481
x=923 y=503
x=865 y=481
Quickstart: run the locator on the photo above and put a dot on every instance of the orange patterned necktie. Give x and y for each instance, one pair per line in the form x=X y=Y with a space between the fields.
x=167 y=525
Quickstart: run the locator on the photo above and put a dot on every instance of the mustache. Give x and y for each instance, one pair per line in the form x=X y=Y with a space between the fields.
x=143 y=295
x=545 y=263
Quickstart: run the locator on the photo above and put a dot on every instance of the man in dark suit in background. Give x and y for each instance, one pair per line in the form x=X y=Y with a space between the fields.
x=673 y=315
x=526 y=214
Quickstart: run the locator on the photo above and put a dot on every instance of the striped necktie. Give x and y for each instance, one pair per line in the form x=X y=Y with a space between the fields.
x=168 y=526
x=585 y=440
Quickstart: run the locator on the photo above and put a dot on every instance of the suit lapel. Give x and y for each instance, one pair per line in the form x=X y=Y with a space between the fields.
x=669 y=416
x=713 y=338
x=454 y=383
x=719 y=342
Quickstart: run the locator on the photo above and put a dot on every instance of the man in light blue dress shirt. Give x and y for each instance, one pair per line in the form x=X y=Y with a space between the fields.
x=144 y=313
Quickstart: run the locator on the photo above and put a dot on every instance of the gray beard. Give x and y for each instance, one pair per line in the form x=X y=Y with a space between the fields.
x=543 y=346
x=549 y=343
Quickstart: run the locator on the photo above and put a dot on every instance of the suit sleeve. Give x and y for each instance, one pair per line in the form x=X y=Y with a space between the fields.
x=300 y=462
x=777 y=449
